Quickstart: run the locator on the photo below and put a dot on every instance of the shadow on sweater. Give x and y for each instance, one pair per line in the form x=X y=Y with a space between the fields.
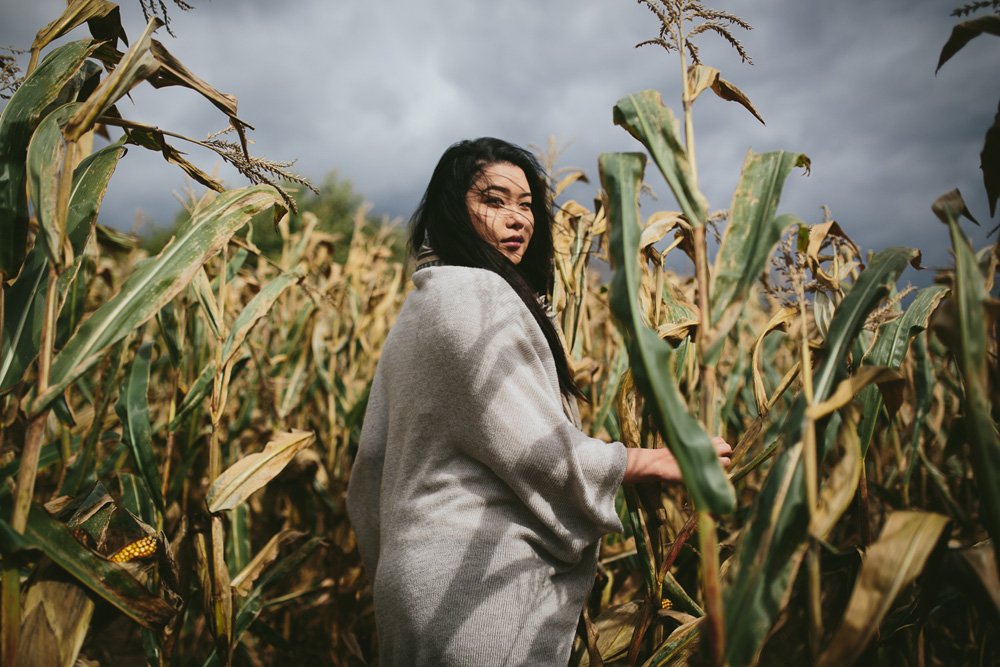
x=489 y=501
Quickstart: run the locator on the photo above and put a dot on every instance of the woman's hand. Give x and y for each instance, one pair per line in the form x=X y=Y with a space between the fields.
x=659 y=465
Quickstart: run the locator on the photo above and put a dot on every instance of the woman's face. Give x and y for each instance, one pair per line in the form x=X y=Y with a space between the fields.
x=499 y=204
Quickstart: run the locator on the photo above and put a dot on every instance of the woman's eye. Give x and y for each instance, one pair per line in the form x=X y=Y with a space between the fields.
x=526 y=206
x=494 y=201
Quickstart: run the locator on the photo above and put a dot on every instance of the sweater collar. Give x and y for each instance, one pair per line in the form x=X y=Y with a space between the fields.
x=427 y=257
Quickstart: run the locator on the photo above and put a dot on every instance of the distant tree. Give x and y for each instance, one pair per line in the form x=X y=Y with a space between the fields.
x=335 y=207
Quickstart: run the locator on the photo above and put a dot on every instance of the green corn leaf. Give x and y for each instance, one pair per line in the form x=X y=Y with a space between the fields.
x=710 y=490
x=81 y=470
x=292 y=397
x=678 y=647
x=767 y=558
x=238 y=540
x=966 y=330
x=232 y=268
x=91 y=511
x=655 y=126
x=923 y=388
x=110 y=581
x=46 y=154
x=605 y=414
x=154 y=284
x=646 y=564
x=40 y=90
x=872 y=286
x=256 y=309
x=202 y=289
x=170 y=331
x=322 y=356
x=753 y=230
x=890 y=346
x=676 y=309
x=24 y=313
x=136 y=498
x=133 y=411
x=193 y=399
x=74 y=298
x=25 y=306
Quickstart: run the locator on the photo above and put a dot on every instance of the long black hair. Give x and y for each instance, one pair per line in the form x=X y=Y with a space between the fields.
x=443 y=220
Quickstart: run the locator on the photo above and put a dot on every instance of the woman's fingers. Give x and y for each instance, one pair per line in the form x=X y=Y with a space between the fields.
x=722 y=447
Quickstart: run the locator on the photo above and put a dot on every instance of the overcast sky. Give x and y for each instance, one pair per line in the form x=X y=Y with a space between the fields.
x=377 y=90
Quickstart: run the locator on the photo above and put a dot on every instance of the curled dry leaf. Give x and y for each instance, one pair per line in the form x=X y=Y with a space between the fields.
x=254 y=471
x=965 y=32
x=243 y=582
x=678 y=331
x=615 y=628
x=701 y=77
x=848 y=388
x=76 y=13
x=137 y=65
x=837 y=493
x=818 y=234
x=780 y=320
x=659 y=224
x=989 y=160
x=891 y=564
x=950 y=205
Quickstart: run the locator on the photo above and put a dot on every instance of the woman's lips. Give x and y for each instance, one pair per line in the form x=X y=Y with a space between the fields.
x=514 y=243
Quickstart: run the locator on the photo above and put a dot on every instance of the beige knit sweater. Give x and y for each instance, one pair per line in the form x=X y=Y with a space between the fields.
x=476 y=503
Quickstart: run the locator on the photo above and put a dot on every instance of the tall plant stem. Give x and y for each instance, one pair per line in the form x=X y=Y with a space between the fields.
x=715 y=618
x=687 y=100
x=707 y=538
x=219 y=388
x=701 y=271
x=811 y=465
x=10 y=631
x=26 y=473
x=864 y=516
x=222 y=602
x=706 y=371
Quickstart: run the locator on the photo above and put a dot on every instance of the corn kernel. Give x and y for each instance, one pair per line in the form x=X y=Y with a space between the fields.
x=138 y=549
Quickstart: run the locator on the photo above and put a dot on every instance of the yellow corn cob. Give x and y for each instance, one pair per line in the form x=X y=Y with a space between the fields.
x=138 y=549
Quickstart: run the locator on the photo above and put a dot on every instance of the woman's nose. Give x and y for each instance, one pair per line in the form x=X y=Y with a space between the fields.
x=515 y=219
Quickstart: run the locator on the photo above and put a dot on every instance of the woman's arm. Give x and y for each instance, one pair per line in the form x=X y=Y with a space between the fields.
x=659 y=465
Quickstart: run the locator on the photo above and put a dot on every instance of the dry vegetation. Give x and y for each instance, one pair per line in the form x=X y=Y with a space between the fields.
x=177 y=430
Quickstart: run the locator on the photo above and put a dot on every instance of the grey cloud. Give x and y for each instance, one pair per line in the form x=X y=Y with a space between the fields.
x=379 y=89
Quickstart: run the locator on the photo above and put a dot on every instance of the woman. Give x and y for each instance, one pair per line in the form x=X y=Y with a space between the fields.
x=477 y=502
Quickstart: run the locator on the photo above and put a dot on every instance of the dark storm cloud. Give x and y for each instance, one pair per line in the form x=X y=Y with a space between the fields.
x=378 y=89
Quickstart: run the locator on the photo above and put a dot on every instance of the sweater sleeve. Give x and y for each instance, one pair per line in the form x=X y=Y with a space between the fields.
x=365 y=484
x=506 y=390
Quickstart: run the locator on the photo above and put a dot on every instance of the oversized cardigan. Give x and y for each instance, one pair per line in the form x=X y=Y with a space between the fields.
x=476 y=502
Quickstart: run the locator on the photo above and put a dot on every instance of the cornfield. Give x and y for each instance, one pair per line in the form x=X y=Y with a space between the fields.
x=177 y=430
